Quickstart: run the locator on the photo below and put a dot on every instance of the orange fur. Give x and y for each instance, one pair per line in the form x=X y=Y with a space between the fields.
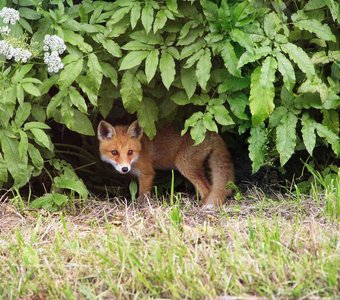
x=168 y=150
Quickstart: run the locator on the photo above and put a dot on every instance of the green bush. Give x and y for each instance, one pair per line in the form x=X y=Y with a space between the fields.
x=266 y=69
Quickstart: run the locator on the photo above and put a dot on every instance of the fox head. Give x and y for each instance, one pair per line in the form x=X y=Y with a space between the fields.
x=120 y=146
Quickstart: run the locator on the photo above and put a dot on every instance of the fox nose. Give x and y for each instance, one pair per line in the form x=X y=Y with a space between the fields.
x=125 y=169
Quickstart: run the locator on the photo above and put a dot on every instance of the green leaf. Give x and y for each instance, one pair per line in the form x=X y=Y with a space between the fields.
x=203 y=68
x=300 y=57
x=73 y=184
x=48 y=83
x=29 y=14
x=248 y=57
x=186 y=29
x=193 y=48
x=22 y=113
x=111 y=47
x=147 y=38
x=167 y=68
x=331 y=120
x=330 y=137
x=40 y=125
x=135 y=14
x=147 y=17
x=276 y=116
x=137 y=45
x=77 y=99
x=238 y=103
x=151 y=64
x=234 y=84
x=261 y=98
x=180 y=98
x=17 y=168
x=49 y=200
x=147 y=116
x=314 y=4
x=70 y=73
x=42 y=138
x=221 y=115
x=268 y=70
x=3 y=170
x=30 y=80
x=191 y=37
x=110 y=72
x=286 y=137
x=320 y=57
x=83 y=83
x=322 y=31
x=25 y=25
x=23 y=145
x=42 y=201
x=94 y=73
x=133 y=189
x=38 y=113
x=287 y=71
x=160 y=20
x=76 y=40
x=118 y=15
x=172 y=5
x=20 y=94
x=35 y=156
x=20 y=73
x=133 y=59
x=173 y=52
x=188 y=80
x=308 y=132
x=209 y=123
x=230 y=59
x=257 y=146
x=191 y=121
x=197 y=132
x=60 y=199
x=242 y=38
x=271 y=25
x=131 y=92
x=314 y=86
x=192 y=59
x=81 y=123
x=31 y=89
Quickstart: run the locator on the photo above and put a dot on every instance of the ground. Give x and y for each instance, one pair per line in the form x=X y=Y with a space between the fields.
x=260 y=246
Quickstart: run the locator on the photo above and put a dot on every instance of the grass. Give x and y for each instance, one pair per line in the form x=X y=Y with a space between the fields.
x=283 y=248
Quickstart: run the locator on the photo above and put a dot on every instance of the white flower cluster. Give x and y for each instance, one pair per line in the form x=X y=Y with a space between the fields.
x=9 y=15
x=18 y=54
x=54 y=43
x=5 y=30
x=57 y=46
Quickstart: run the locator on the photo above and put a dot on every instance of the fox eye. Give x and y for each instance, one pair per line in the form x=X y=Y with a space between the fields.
x=130 y=152
x=114 y=152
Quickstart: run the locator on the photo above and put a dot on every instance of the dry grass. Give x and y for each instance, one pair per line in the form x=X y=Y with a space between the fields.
x=111 y=249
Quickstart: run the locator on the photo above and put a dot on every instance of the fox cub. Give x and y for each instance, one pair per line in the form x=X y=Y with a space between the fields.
x=127 y=149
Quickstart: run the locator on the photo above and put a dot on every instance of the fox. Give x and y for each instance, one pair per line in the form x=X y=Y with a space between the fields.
x=129 y=150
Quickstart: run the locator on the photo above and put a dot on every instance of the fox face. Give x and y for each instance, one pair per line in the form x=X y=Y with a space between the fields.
x=120 y=146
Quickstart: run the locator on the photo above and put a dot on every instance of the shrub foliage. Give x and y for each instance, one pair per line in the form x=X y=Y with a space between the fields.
x=267 y=69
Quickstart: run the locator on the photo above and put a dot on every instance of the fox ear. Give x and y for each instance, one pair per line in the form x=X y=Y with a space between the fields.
x=135 y=131
x=105 y=131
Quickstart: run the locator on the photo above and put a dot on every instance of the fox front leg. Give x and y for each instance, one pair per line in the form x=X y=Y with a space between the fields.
x=145 y=182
